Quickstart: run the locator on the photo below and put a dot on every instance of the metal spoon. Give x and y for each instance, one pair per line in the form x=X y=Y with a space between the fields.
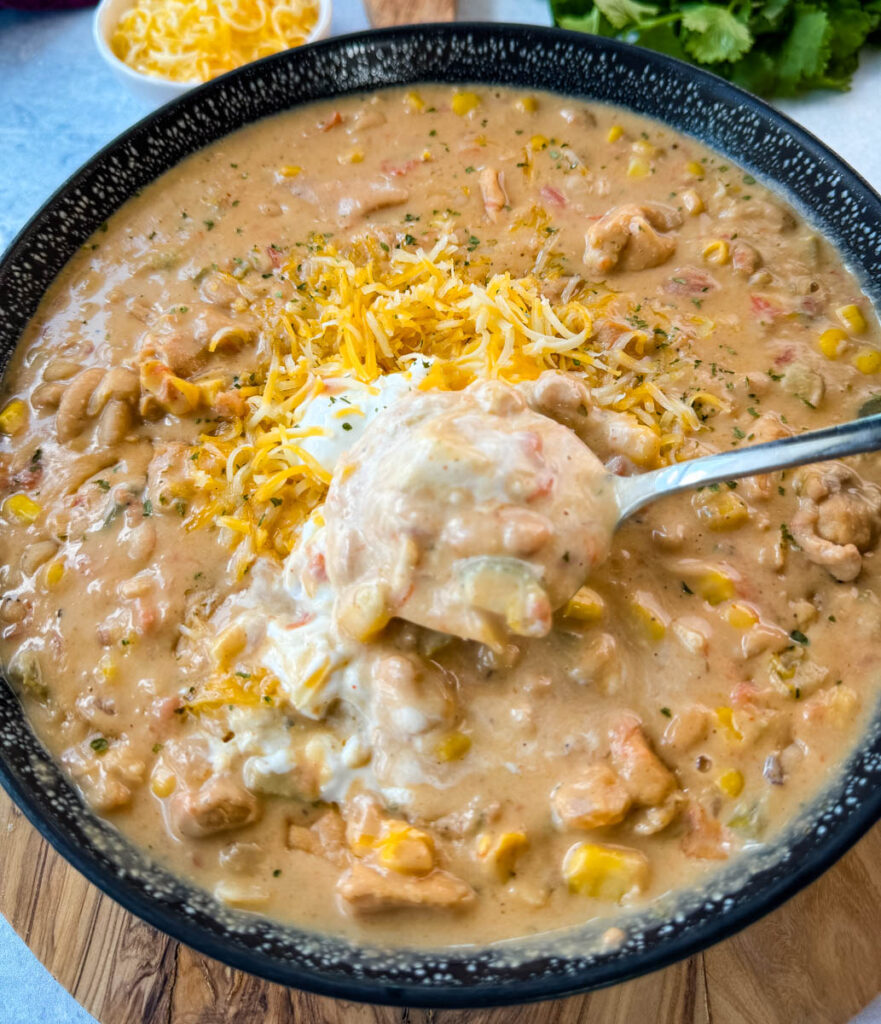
x=852 y=438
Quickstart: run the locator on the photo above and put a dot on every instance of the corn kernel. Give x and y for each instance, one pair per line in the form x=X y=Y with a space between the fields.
x=527 y=104
x=24 y=509
x=585 y=605
x=615 y=133
x=453 y=747
x=465 y=102
x=692 y=202
x=695 y=168
x=405 y=849
x=643 y=148
x=649 y=616
x=730 y=782
x=502 y=852
x=414 y=101
x=290 y=171
x=108 y=666
x=638 y=167
x=14 y=417
x=832 y=342
x=538 y=142
x=715 y=587
x=605 y=872
x=725 y=715
x=717 y=252
x=852 y=318
x=741 y=616
x=354 y=156
x=867 y=360
x=720 y=510
x=163 y=783
x=54 y=573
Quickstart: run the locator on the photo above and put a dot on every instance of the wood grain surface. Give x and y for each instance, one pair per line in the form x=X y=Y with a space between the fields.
x=409 y=12
x=817 y=960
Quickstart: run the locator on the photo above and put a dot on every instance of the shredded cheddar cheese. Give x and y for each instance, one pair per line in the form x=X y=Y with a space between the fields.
x=365 y=313
x=194 y=42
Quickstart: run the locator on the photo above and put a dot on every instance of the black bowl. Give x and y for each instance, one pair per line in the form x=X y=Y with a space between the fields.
x=829 y=193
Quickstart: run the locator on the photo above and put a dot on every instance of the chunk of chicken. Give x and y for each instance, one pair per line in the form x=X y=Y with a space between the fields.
x=837 y=519
x=107 y=779
x=705 y=838
x=219 y=805
x=745 y=258
x=325 y=838
x=185 y=338
x=368 y=890
x=494 y=198
x=596 y=798
x=632 y=237
x=644 y=775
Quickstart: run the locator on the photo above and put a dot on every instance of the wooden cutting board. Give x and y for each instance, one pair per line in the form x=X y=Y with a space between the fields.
x=816 y=960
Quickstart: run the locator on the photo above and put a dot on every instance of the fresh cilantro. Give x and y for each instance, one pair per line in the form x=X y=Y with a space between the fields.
x=713 y=34
x=99 y=744
x=772 y=47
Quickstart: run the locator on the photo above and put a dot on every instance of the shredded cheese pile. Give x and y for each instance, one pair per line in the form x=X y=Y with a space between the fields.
x=194 y=41
x=371 y=315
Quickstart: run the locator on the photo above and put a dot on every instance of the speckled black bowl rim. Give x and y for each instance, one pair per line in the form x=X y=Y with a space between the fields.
x=747 y=130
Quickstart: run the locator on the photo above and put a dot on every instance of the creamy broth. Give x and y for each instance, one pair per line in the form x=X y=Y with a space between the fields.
x=270 y=694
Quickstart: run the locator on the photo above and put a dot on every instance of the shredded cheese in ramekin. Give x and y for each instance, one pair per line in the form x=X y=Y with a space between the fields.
x=194 y=41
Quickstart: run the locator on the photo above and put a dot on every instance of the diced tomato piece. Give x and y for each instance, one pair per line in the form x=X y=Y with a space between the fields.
x=552 y=195
x=399 y=170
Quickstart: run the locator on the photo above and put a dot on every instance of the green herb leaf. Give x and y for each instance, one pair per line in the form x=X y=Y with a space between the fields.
x=713 y=34
x=781 y=47
x=622 y=12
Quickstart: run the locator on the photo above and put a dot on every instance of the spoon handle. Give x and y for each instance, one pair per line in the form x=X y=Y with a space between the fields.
x=851 y=438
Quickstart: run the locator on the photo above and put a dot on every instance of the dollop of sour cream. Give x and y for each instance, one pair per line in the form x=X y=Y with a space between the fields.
x=341 y=413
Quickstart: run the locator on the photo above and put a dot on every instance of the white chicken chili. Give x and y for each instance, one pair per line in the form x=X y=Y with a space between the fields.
x=308 y=574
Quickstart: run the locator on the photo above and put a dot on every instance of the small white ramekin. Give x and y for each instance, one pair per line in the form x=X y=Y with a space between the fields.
x=151 y=88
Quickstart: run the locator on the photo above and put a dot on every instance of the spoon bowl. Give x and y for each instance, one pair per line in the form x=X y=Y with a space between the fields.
x=855 y=437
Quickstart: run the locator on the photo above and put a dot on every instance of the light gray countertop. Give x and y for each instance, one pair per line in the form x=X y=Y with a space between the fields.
x=59 y=104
